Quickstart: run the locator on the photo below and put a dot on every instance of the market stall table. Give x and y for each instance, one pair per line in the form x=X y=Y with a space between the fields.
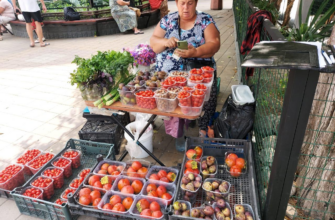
x=134 y=108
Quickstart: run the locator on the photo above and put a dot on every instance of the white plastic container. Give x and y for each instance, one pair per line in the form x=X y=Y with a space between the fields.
x=170 y=188
x=131 y=180
x=228 y=206
x=247 y=208
x=208 y=85
x=133 y=149
x=156 y=169
x=105 y=199
x=242 y=94
x=161 y=202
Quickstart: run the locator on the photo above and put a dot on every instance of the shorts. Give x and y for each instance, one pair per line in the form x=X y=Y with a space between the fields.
x=5 y=20
x=32 y=15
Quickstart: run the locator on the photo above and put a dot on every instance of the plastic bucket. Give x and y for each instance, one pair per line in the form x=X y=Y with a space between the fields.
x=133 y=149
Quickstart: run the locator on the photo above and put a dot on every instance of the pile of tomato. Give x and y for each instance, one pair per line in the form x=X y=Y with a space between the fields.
x=136 y=169
x=57 y=175
x=235 y=164
x=129 y=186
x=65 y=164
x=74 y=156
x=168 y=82
x=158 y=191
x=33 y=193
x=184 y=98
x=196 y=78
x=145 y=99
x=197 y=98
x=45 y=184
x=180 y=81
x=163 y=176
x=83 y=174
x=207 y=77
x=117 y=204
x=38 y=162
x=66 y=192
x=11 y=177
x=196 y=71
x=149 y=209
x=26 y=158
x=188 y=89
x=100 y=181
x=75 y=183
x=59 y=201
x=207 y=69
x=107 y=168
x=90 y=197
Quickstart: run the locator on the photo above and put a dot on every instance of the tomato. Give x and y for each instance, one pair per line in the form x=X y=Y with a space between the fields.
x=151 y=187
x=145 y=99
x=188 y=170
x=84 y=200
x=97 y=184
x=146 y=212
x=195 y=71
x=111 y=169
x=131 y=171
x=235 y=171
x=28 y=156
x=196 y=78
x=107 y=186
x=171 y=176
x=142 y=172
x=95 y=194
x=96 y=202
x=39 y=161
x=154 y=177
x=166 y=196
x=189 y=89
x=142 y=204
x=107 y=206
x=104 y=166
x=198 y=151
x=207 y=69
x=168 y=82
x=197 y=98
x=116 y=173
x=136 y=165
x=57 y=175
x=240 y=162
x=120 y=168
x=74 y=156
x=154 y=206
x=200 y=86
x=161 y=190
x=115 y=199
x=118 y=208
x=59 y=202
x=191 y=164
x=230 y=162
x=157 y=214
x=127 y=202
x=162 y=173
x=75 y=183
x=184 y=98
x=153 y=193
x=67 y=191
x=122 y=183
x=33 y=192
x=127 y=190
x=232 y=156
x=137 y=186
x=207 y=77
x=102 y=172
x=93 y=179
x=65 y=164
x=165 y=179
x=179 y=80
x=191 y=154
x=85 y=192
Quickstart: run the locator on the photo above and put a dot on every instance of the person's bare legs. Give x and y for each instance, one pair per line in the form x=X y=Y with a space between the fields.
x=30 y=34
x=39 y=33
x=136 y=30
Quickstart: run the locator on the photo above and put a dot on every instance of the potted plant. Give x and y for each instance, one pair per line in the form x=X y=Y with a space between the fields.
x=98 y=75
x=144 y=56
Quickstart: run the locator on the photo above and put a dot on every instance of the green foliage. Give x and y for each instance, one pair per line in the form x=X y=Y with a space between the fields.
x=317 y=30
x=114 y=63
x=270 y=7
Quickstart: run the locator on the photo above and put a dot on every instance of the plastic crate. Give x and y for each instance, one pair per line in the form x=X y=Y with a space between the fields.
x=243 y=189
x=48 y=209
x=102 y=131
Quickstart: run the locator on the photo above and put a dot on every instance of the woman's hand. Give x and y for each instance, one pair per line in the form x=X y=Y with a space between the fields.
x=171 y=43
x=191 y=52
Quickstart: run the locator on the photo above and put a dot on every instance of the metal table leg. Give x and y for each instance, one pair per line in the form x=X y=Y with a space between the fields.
x=152 y=118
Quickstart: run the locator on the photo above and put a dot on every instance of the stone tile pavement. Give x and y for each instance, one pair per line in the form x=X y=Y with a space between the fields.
x=40 y=109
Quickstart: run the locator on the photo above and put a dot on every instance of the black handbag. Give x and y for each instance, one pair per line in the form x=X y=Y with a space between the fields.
x=70 y=14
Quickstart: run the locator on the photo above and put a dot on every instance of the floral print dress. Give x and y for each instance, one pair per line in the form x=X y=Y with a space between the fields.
x=124 y=17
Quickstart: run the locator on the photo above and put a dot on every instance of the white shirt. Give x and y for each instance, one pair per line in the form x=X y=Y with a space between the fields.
x=29 y=5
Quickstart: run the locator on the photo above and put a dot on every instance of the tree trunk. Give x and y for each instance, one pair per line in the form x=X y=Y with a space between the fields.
x=287 y=17
x=277 y=3
x=316 y=171
x=331 y=40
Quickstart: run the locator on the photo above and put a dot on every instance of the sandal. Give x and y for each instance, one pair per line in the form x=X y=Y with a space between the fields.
x=45 y=44
x=32 y=45
x=140 y=32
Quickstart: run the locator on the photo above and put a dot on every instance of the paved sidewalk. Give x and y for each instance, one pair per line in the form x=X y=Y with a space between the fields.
x=40 y=109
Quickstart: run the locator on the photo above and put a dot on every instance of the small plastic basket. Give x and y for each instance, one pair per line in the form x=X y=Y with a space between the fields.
x=127 y=97
x=200 y=80
x=205 y=91
x=166 y=105
x=63 y=194
x=170 y=188
x=240 y=155
x=189 y=195
x=191 y=111
x=211 y=196
x=58 y=180
x=73 y=182
x=34 y=170
x=166 y=86
x=197 y=100
x=110 y=178
x=136 y=213
x=131 y=179
x=188 y=204
x=185 y=101
x=144 y=163
x=195 y=71
x=26 y=169
x=31 y=187
x=105 y=199
x=145 y=102
x=15 y=180
x=48 y=191
x=75 y=160
x=211 y=175
x=179 y=73
x=208 y=85
x=200 y=209
x=110 y=162
x=180 y=81
x=227 y=206
x=247 y=208
x=76 y=195
x=156 y=169
x=67 y=168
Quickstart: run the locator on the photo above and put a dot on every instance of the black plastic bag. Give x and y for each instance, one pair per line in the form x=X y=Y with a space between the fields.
x=234 y=121
x=70 y=14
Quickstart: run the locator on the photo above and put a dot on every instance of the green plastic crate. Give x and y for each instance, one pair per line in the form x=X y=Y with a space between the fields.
x=47 y=209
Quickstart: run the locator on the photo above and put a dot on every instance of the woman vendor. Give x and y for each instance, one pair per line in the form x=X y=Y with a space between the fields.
x=203 y=37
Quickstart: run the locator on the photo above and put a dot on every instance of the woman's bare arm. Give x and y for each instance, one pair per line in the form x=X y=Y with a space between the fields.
x=120 y=2
x=158 y=43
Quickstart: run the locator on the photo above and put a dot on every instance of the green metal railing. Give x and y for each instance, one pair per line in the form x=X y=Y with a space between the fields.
x=314 y=197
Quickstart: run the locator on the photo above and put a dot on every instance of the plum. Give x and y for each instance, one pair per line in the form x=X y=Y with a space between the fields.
x=221 y=204
x=195 y=213
x=208 y=210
